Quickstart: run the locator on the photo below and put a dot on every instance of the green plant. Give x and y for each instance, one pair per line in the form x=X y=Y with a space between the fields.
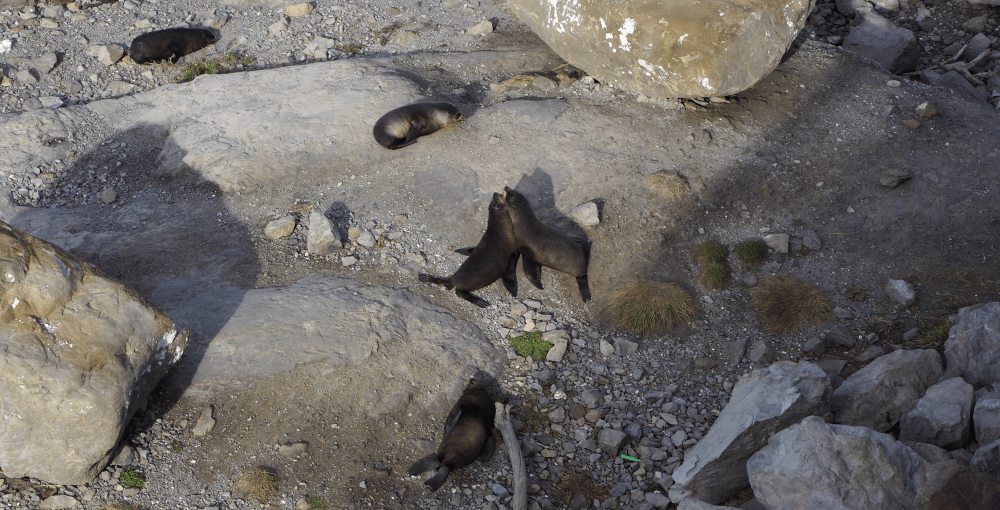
x=216 y=66
x=937 y=334
x=710 y=253
x=534 y=421
x=750 y=252
x=131 y=478
x=714 y=276
x=349 y=49
x=120 y=505
x=175 y=448
x=258 y=484
x=316 y=503
x=530 y=344
x=855 y=292
x=645 y=306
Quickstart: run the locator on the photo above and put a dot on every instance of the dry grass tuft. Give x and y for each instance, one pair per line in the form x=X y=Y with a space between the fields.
x=786 y=304
x=741 y=497
x=121 y=505
x=669 y=186
x=258 y=484
x=579 y=483
x=646 y=306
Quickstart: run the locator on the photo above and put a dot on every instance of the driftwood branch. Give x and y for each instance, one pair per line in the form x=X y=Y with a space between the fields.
x=502 y=422
x=963 y=67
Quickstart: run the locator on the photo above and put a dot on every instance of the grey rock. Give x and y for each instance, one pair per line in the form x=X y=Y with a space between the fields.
x=987 y=460
x=560 y=341
x=927 y=110
x=591 y=398
x=293 y=449
x=545 y=85
x=611 y=42
x=205 y=424
x=557 y=415
x=658 y=500
x=750 y=279
x=763 y=402
x=901 y=292
x=839 y=337
x=483 y=27
x=281 y=227
x=124 y=457
x=278 y=27
x=957 y=83
x=813 y=346
x=366 y=239
x=810 y=239
x=976 y=24
x=814 y=465
x=120 y=88
x=108 y=54
x=45 y=63
x=737 y=349
x=972 y=350
x=611 y=440
x=322 y=238
x=753 y=504
x=831 y=366
x=109 y=195
x=586 y=214
x=941 y=417
x=761 y=352
x=842 y=313
x=911 y=334
x=678 y=437
x=606 y=348
x=895 y=177
x=777 y=242
x=876 y=38
x=27 y=76
x=878 y=395
x=58 y=502
x=697 y=504
x=951 y=485
x=624 y=347
x=850 y=8
x=986 y=416
x=50 y=101
x=63 y=418
x=977 y=45
x=705 y=363
x=870 y=353
x=929 y=452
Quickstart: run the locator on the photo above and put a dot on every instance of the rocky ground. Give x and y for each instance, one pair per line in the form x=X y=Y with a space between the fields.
x=801 y=151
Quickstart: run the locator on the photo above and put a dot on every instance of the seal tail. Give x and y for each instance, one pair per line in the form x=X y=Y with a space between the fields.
x=425 y=464
x=584 y=284
x=435 y=482
x=429 y=278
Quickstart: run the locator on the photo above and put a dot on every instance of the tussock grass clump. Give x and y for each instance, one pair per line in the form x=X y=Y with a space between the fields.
x=530 y=344
x=214 y=66
x=936 y=335
x=711 y=257
x=121 y=505
x=714 y=276
x=668 y=185
x=131 y=478
x=645 y=306
x=258 y=484
x=579 y=483
x=751 y=252
x=786 y=305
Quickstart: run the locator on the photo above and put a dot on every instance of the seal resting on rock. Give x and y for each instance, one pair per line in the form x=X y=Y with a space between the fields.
x=402 y=126
x=495 y=257
x=541 y=245
x=170 y=44
x=468 y=435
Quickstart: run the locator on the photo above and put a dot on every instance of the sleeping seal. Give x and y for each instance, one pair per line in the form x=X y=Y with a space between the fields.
x=495 y=257
x=402 y=126
x=468 y=434
x=170 y=44
x=542 y=245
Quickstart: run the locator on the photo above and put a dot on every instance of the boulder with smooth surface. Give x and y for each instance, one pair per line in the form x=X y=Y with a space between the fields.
x=878 y=395
x=972 y=350
x=81 y=351
x=672 y=48
x=763 y=402
x=941 y=417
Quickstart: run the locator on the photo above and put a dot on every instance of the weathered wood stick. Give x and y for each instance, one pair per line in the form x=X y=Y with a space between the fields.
x=502 y=422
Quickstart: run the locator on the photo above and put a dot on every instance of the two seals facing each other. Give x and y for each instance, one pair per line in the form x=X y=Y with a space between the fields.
x=495 y=257
x=468 y=435
x=402 y=126
x=169 y=44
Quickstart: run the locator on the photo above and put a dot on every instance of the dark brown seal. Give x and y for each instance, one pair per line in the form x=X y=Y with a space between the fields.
x=542 y=245
x=170 y=44
x=468 y=435
x=402 y=126
x=495 y=257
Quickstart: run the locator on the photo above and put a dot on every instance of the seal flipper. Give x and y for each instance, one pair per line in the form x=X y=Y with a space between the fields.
x=466 y=251
x=411 y=136
x=581 y=281
x=510 y=277
x=472 y=298
x=452 y=420
x=425 y=464
x=435 y=482
x=488 y=449
x=532 y=269
x=429 y=278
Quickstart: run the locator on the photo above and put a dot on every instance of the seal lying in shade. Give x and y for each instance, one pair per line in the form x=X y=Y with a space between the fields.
x=495 y=257
x=541 y=245
x=468 y=434
x=402 y=126
x=170 y=44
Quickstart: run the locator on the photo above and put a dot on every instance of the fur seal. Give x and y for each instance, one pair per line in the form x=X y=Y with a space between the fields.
x=170 y=44
x=542 y=245
x=468 y=435
x=402 y=126
x=494 y=258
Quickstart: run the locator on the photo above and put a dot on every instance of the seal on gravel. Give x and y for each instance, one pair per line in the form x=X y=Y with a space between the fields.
x=495 y=257
x=402 y=126
x=542 y=245
x=468 y=435
x=170 y=44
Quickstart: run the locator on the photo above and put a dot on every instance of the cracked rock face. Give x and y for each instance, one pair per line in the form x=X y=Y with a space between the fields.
x=672 y=48
x=81 y=353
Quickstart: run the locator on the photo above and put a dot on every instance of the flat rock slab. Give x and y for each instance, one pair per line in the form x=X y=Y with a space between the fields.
x=335 y=322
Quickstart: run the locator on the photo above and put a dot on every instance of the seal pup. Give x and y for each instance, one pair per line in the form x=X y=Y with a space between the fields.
x=402 y=126
x=169 y=44
x=541 y=245
x=468 y=435
x=495 y=257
